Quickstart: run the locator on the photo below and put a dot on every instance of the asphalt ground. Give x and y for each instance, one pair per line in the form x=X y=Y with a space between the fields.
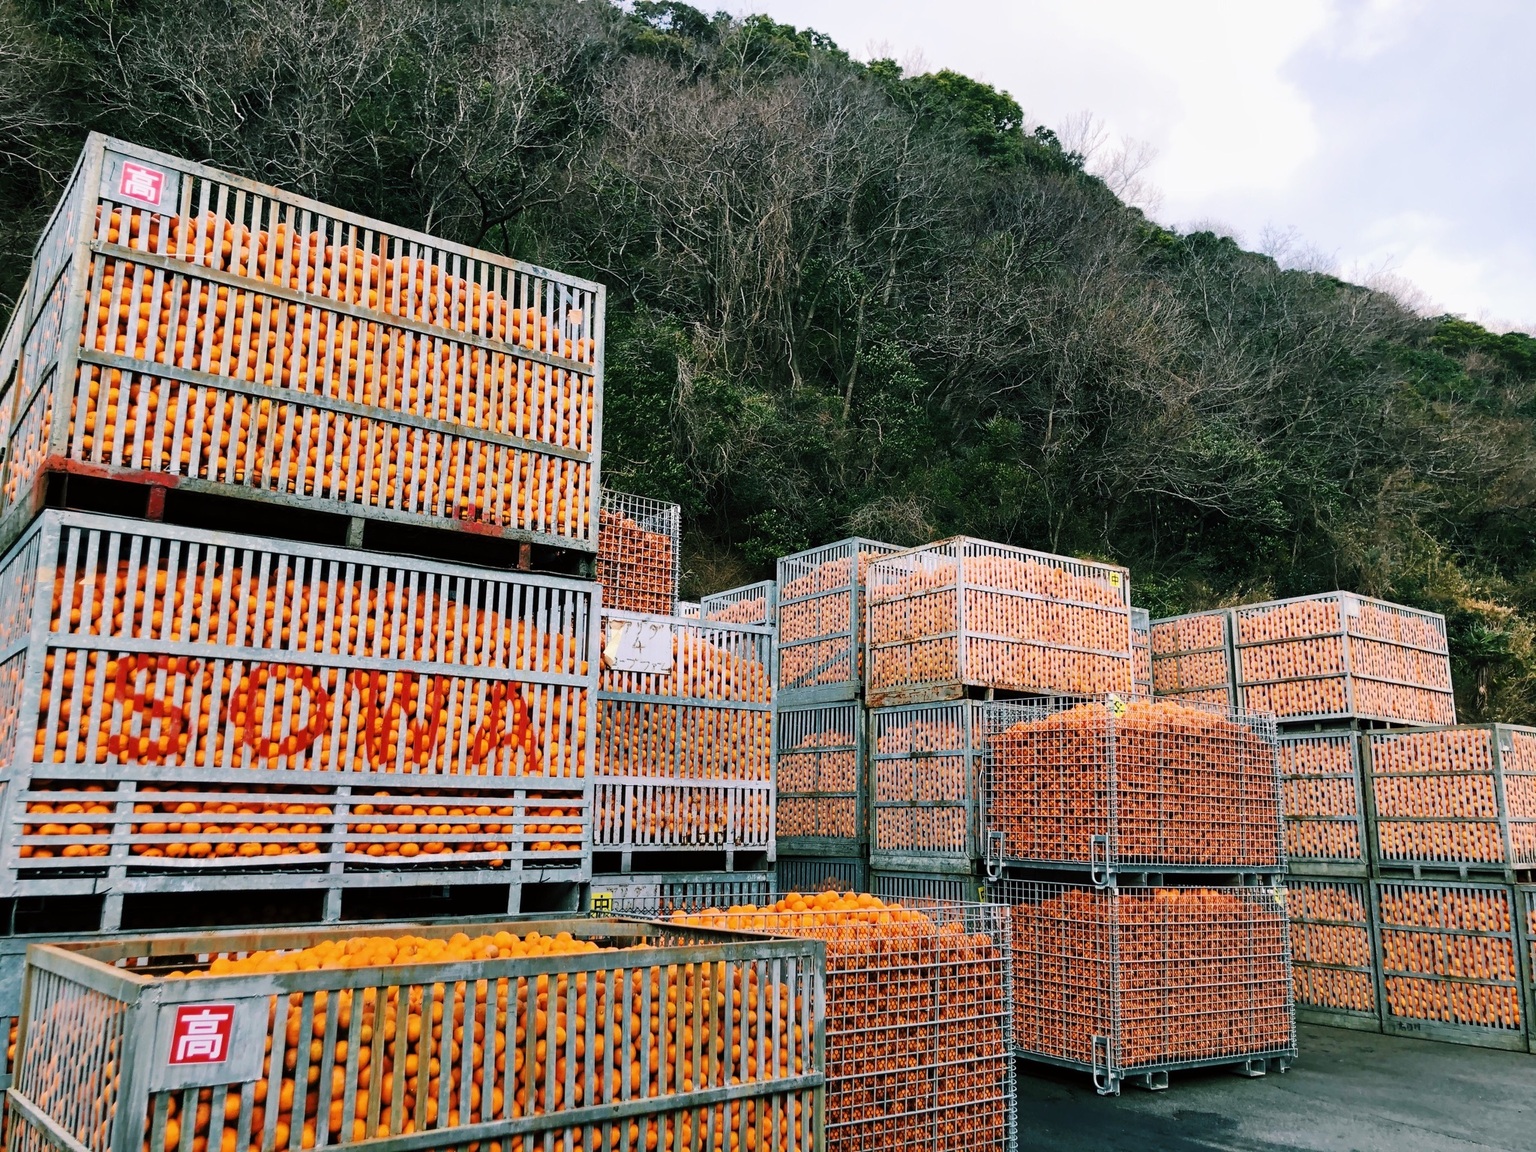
x=1347 y=1092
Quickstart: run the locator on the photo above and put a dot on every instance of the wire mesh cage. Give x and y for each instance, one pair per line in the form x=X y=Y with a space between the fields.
x=917 y=1018
x=177 y=702
x=1333 y=952
x=750 y=604
x=639 y=553
x=1449 y=963
x=1192 y=658
x=968 y=613
x=1141 y=652
x=183 y=322
x=1136 y=982
x=820 y=779
x=1339 y=655
x=926 y=764
x=1146 y=783
x=685 y=724
x=821 y=610
x=1455 y=799
x=579 y=1033
x=1325 y=825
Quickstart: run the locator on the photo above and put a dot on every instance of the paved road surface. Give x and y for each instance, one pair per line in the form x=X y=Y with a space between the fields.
x=1349 y=1092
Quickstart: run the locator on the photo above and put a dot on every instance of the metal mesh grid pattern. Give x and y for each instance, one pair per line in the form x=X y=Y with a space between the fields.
x=821 y=609
x=819 y=777
x=926 y=764
x=639 y=553
x=918 y=1051
x=541 y=1019
x=186 y=700
x=1453 y=797
x=1339 y=655
x=1192 y=658
x=1332 y=954
x=822 y=874
x=968 y=612
x=1141 y=651
x=1108 y=784
x=750 y=604
x=1121 y=980
x=293 y=352
x=1448 y=958
x=1323 y=804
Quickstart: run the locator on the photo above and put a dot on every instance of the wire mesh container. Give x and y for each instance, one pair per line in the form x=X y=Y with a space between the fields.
x=188 y=326
x=1134 y=982
x=1333 y=952
x=917 y=1018
x=821 y=594
x=1324 y=802
x=581 y=1033
x=685 y=747
x=820 y=779
x=1111 y=784
x=968 y=613
x=1341 y=656
x=1141 y=652
x=175 y=702
x=1455 y=799
x=639 y=553
x=1192 y=658
x=750 y=604
x=1449 y=962
x=822 y=874
x=926 y=764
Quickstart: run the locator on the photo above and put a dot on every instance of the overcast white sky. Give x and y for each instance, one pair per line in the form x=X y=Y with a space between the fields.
x=1386 y=136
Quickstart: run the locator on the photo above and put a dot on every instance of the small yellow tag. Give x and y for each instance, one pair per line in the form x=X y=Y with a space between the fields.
x=602 y=902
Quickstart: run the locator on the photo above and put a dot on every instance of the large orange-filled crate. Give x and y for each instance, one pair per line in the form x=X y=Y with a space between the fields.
x=756 y=603
x=1112 y=783
x=1130 y=982
x=1460 y=799
x=183 y=327
x=1342 y=656
x=820 y=779
x=966 y=613
x=917 y=1017
x=1324 y=802
x=1141 y=652
x=639 y=553
x=174 y=701
x=926 y=786
x=1333 y=952
x=822 y=610
x=512 y=1036
x=685 y=744
x=1192 y=658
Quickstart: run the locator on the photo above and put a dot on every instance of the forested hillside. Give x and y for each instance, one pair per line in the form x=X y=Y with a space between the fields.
x=844 y=299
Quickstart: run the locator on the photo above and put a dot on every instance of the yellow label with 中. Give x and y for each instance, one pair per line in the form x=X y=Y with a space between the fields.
x=1115 y=580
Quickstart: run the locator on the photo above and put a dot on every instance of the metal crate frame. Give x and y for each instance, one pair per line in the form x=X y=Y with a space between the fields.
x=1515 y=1039
x=963 y=553
x=626 y=587
x=1141 y=649
x=904 y=887
x=1517 y=863
x=668 y=891
x=792 y=725
x=807 y=874
x=1105 y=858
x=1351 y=710
x=966 y=716
x=842 y=638
x=674 y=786
x=720 y=606
x=132 y=1011
x=1357 y=865
x=1107 y=1066
x=69 y=259
x=72 y=547
x=1202 y=692
x=1332 y=1016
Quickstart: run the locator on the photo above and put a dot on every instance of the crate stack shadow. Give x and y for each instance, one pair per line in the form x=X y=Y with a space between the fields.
x=1411 y=840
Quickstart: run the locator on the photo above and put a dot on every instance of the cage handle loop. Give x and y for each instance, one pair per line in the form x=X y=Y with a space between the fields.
x=1098 y=861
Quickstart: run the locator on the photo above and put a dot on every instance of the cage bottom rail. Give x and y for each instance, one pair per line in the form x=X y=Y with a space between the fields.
x=1154 y=1077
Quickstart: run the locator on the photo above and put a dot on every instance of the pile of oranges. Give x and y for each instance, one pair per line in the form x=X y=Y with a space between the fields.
x=713 y=665
x=683 y=742
x=1332 y=964
x=469 y=373
x=915 y=1010
x=827 y=601
x=1322 y=798
x=636 y=567
x=1167 y=783
x=1448 y=953
x=747 y=610
x=1171 y=974
x=476 y=1050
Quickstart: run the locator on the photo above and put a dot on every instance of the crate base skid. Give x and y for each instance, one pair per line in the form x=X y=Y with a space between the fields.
x=1327 y=1018
x=1140 y=876
x=664 y=860
x=1463 y=1034
x=1324 y=869
x=821 y=873
x=193 y=503
x=849 y=693
x=1471 y=873
x=902 y=697
x=1156 y=1078
x=661 y=892
x=925 y=886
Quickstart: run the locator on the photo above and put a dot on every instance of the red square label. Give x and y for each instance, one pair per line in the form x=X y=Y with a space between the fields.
x=141 y=183
x=202 y=1033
